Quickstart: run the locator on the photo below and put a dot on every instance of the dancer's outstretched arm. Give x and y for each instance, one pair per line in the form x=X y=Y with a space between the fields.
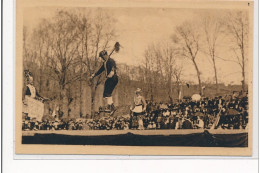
x=101 y=69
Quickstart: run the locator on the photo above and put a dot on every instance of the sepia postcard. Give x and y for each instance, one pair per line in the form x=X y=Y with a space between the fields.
x=134 y=77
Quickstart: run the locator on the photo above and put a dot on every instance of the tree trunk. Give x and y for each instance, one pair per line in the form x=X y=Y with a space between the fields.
x=170 y=89
x=216 y=76
x=198 y=75
x=243 y=79
x=243 y=60
x=80 y=99
x=64 y=101
x=40 y=82
x=178 y=88
x=80 y=90
x=80 y=80
x=93 y=95
x=151 y=90
x=243 y=69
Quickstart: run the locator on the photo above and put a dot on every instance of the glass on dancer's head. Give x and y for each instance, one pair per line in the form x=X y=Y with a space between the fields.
x=102 y=53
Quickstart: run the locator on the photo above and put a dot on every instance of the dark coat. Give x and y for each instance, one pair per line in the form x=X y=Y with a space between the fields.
x=110 y=64
x=187 y=125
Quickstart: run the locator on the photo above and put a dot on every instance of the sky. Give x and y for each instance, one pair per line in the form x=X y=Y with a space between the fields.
x=137 y=28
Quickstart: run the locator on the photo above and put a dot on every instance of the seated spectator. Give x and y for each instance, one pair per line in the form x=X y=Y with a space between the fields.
x=178 y=124
x=153 y=125
x=149 y=125
x=126 y=126
x=200 y=124
x=187 y=124
x=171 y=124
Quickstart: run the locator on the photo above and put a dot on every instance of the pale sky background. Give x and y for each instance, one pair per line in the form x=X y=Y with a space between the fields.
x=138 y=27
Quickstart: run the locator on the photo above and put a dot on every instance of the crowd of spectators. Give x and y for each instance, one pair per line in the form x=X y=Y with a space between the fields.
x=220 y=112
x=226 y=113
x=106 y=123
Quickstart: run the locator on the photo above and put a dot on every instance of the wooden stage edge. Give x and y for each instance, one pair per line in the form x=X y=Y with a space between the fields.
x=136 y=132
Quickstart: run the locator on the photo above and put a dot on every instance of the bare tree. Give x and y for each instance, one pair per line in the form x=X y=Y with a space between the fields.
x=238 y=30
x=29 y=59
x=212 y=27
x=160 y=64
x=169 y=56
x=26 y=55
x=149 y=64
x=85 y=31
x=61 y=52
x=153 y=65
x=25 y=44
x=188 y=39
x=153 y=70
x=38 y=46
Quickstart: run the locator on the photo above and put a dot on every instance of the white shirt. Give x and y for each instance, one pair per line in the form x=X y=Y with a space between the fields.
x=201 y=124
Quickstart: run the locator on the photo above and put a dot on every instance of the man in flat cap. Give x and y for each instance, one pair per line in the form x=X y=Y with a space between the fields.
x=109 y=66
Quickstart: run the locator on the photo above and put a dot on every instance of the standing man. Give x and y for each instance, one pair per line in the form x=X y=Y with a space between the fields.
x=109 y=66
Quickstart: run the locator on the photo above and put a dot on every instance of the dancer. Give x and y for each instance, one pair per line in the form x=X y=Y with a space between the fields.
x=138 y=108
x=30 y=88
x=109 y=66
x=33 y=106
